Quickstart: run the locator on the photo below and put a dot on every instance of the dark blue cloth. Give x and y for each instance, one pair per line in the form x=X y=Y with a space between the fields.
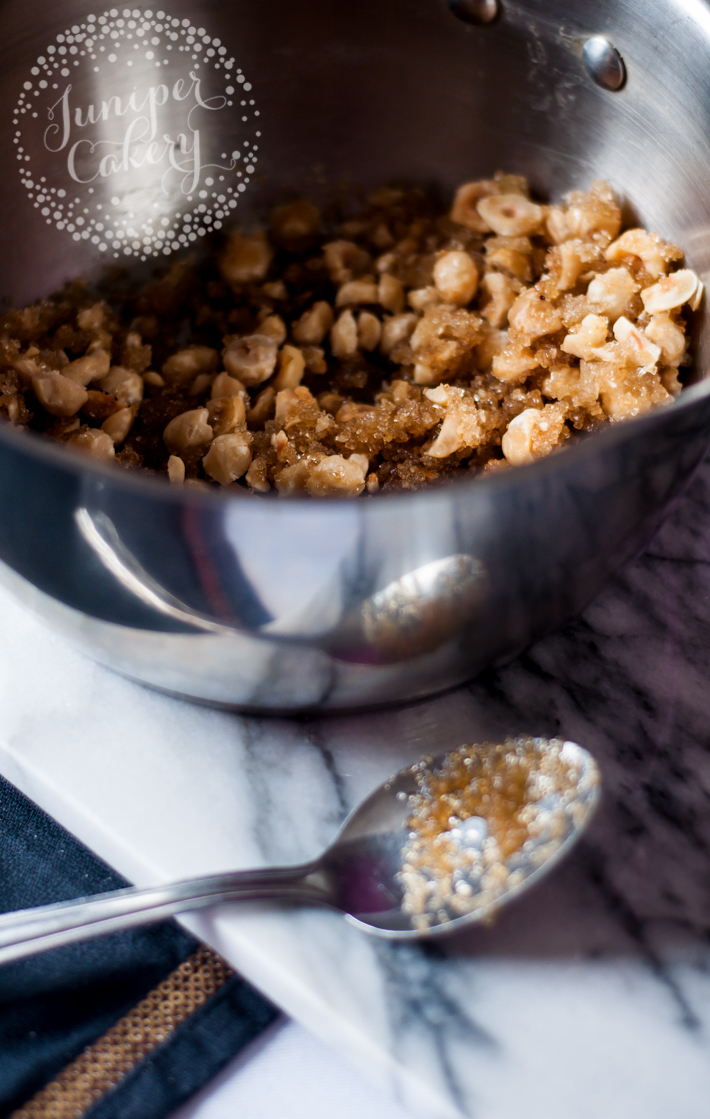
x=55 y=1004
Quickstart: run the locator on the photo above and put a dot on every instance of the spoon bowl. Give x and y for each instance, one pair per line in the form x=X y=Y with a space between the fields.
x=367 y=858
x=412 y=860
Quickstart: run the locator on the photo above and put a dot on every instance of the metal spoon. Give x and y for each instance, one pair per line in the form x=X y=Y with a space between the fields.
x=369 y=871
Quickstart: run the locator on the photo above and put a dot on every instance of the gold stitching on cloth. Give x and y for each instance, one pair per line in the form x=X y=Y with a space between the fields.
x=105 y=1063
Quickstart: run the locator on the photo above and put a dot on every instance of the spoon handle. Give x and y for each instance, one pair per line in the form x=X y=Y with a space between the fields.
x=27 y=931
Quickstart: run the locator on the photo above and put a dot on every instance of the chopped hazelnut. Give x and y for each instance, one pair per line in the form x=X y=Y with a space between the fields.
x=246 y=258
x=397 y=329
x=176 y=469
x=314 y=324
x=390 y=293
x=335 y=476
x=98 y=444
x=251 y=359
x=228 y=458
x=295 y=224
x=126 y=386
x=343 y=336
x=89 y=368
x=118 y=425
x=510 y=215
x=274 y=327
x=186 y=364
x=187 y=431
x=356 y=291
x=456 y=278
x=225 y=385
x=226 y=415
x=59 y=395
x=369 y=331
x=292 y=365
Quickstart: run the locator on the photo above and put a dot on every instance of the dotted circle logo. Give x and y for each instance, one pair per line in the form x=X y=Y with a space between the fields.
x=136 y=131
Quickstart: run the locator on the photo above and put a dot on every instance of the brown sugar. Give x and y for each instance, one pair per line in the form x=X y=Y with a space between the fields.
x=483 y=820
x=392 y=349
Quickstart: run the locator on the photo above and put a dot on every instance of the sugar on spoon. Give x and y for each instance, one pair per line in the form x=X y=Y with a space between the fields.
x=445 y=842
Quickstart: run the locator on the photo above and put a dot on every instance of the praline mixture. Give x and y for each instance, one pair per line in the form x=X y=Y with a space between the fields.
x=391 y=350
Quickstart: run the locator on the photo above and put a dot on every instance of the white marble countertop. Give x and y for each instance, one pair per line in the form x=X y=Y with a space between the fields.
x=289 y=1074
x=591 y=996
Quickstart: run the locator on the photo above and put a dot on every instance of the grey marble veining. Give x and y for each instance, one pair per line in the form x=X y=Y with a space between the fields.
x=589 y=996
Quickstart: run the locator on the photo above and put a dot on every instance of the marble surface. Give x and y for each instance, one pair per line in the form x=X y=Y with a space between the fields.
x=589 y=997
x=289 y=1074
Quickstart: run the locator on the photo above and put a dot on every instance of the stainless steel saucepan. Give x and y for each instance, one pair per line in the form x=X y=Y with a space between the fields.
x=127 y=134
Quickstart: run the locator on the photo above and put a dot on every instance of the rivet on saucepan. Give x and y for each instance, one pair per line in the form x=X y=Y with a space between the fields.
x=604 y=63
x=474 y=11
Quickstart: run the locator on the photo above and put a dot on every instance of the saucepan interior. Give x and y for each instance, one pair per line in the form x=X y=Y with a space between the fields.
x=318 y=605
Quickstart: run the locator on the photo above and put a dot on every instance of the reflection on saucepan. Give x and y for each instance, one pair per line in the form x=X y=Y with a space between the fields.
x=420 y=611
x=100 y=534
x=412 y=615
